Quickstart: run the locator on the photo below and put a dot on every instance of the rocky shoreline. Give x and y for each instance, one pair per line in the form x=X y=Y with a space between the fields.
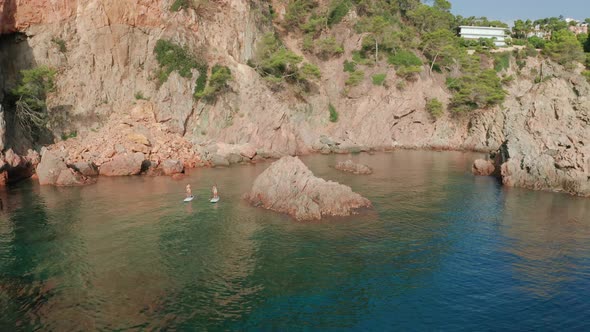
x=126 y=121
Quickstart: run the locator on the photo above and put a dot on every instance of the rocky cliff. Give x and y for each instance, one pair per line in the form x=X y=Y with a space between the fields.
x=104 y=53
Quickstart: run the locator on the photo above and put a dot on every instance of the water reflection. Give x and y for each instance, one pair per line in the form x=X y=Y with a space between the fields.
x=549 y=240
x=441 y=250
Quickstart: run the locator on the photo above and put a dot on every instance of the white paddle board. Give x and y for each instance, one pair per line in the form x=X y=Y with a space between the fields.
x=214 y=200
x=188 y=199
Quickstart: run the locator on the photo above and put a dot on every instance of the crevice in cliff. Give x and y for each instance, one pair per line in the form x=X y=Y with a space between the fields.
x=15 y=55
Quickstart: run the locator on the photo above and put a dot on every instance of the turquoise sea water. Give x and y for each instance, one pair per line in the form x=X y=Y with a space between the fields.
x=442 y=250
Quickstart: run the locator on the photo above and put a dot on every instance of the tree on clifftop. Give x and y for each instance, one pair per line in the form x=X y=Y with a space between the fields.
x=440 y=46
x=564 y=48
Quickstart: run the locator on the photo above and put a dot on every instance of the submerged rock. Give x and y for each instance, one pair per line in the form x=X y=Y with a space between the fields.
x=483 y=167
x=288 y=186
x=351 y=167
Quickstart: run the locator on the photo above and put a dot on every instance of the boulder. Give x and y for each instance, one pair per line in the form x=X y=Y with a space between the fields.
x=12 y=159
x=52 y=170
x=288 y=186
x=50 y=167
x=351 y=167
x=85 y=168
x=218 y=160
x=170 y=167
x=248 y=151
x=123 y=165
x=234 y=158
x=483 y=167
x=33 y=158
x=68 y=177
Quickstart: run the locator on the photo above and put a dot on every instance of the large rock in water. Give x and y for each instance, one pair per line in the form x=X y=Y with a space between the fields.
x=483 y=167
x=123 y=165
x=350 y=167
x=288 y=186
x=52 y=170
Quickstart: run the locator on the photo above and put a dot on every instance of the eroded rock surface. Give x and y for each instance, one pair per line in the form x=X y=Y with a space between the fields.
x=483 y=167
x=288 y=186
x=52 y=170
x=123 y=165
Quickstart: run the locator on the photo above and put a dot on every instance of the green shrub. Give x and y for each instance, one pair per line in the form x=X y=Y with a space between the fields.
x=313 y=25
x=328 y=47
x=586 y=73
x=565 y=49
x=308 y=43
x=355 y=78
x=501 y=61
x=478 y=89
x=297 y=12
x=537 y=42
x=333 y=113
x=172 y=57
x=360 y=58
x=60 y=43
x=220 y=76
x=179 y=5
x=201 y=82
x=401 y=85
x=65 y=137
x=310 y=71
x=349 y=66
x=404 y=58
x=507 y=79
x=139 y=96
x=338 y=10
x=408 y=72
x=31 y=93
x=434 y=107
x=531 y=51
x=379 y=79
x=277 y=64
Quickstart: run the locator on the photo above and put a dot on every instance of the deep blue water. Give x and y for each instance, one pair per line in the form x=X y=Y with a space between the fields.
x=442 y=250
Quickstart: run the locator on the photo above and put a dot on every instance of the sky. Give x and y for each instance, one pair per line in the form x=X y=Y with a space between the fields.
x=511 y=10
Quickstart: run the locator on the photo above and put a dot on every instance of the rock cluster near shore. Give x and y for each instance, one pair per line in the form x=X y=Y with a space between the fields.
x=128 y=144
x=14 y=167
x=288 y=186
x=351 y=167
x=53 y=170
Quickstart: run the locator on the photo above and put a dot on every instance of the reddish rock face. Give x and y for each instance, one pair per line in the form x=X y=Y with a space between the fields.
x=351 y=167
x=123 y=165
x=483 y=167
x=170 y=167
x=12 y=158
x=52 y=170
x=288 y=186
x=86 y=169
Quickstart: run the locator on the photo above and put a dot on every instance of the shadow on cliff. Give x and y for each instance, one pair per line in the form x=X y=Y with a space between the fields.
x=15 y=55
x=7 y=20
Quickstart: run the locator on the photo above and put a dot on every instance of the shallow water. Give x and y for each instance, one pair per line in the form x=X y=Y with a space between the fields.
x=442 y=250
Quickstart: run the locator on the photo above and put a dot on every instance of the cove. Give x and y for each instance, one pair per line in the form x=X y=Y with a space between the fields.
x=441 y=250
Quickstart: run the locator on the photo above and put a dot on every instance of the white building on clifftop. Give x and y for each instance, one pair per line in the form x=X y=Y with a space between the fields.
x=475 y=33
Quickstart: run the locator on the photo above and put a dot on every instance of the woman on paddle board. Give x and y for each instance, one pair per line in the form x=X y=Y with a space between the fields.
x=214 y=191
x=189 y=192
